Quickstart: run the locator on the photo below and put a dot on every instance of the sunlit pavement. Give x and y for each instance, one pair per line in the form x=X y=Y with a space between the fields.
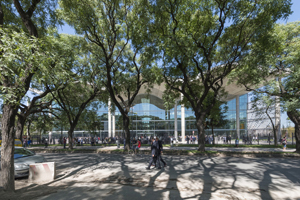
x=101 y=176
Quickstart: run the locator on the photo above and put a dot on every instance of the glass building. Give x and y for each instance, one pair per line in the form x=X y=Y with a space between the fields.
x=149 y=117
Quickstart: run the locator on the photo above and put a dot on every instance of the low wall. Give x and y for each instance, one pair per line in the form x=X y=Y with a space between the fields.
x=42 y=172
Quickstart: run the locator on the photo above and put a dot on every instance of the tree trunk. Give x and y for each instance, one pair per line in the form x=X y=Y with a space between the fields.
x=201 y=132
x=20 y=127
x=28 y=128
x=70 y=135
x=8 y=147
x=274 y=128
x=297 y=135
x=213 y=135
x=126 y=122
x=295 y=118
x=275 y=135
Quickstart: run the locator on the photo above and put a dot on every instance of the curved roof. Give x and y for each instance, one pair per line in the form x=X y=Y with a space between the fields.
x=232 y=91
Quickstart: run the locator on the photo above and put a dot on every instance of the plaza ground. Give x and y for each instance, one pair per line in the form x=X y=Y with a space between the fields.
x=101 y=176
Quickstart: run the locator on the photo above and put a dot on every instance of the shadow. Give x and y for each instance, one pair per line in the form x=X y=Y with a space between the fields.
x=282 y=167
x=264 y=185
x=208 y=179
x=115 y=176
x=173 y=177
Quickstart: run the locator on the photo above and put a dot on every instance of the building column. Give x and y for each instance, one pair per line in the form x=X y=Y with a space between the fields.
x=237 y=99
x=182 y=121
x=113 y=124
x=175 y=121
x=109 y=118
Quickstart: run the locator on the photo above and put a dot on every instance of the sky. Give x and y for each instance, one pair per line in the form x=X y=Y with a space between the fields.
x=295 y=16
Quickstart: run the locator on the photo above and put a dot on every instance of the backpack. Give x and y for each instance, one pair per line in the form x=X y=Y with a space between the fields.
x=284 y=142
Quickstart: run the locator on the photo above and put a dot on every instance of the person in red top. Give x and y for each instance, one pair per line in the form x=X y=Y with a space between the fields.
x=137 y=146
x=65 y=141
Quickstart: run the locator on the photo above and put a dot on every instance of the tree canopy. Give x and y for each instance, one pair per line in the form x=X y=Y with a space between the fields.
x=274 y=63
x=202 y=42
x=119 y=45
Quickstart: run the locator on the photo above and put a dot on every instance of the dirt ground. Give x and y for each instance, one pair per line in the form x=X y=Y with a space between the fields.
x=110 y=176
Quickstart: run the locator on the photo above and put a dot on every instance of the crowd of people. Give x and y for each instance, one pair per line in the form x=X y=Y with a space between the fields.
x=135 y=142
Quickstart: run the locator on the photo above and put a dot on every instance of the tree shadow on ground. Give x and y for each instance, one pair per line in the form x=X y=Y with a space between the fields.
x=207 y=177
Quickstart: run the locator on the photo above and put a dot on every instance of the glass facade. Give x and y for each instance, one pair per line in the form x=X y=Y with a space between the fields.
x=149 y=117
x=243 y=106
x=231 y=115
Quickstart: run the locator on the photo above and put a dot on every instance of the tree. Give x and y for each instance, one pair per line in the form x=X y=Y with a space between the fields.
x=64 y=55
x=119 y=45
x=216 y=117
x=73 y=99
x=20 y=58
x=202 y=42
x=90 y=120
x=277 y=56
x=74 y=94
x=17 y=55
x=34 y=107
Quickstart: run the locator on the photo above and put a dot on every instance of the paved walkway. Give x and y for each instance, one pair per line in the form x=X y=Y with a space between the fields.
x=121 y=177
x=219 y=149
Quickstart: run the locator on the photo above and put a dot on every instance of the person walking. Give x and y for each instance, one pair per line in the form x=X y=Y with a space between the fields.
x=25 y=143
x=159 y=153
x=153 y=154
x=137 y=146
x=65 y=141
x=92 y=141
x=284 y=143
x=209 y=140
x=46 y=142
x=229 y=139
x=124 y=141
x=236 y=142
x=29 y=142
x=74 y=142
x=118 y=142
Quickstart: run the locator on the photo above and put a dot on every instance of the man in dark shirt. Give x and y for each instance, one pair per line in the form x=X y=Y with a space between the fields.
x=153 y=153
x=159 y=156
x=65 y=141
